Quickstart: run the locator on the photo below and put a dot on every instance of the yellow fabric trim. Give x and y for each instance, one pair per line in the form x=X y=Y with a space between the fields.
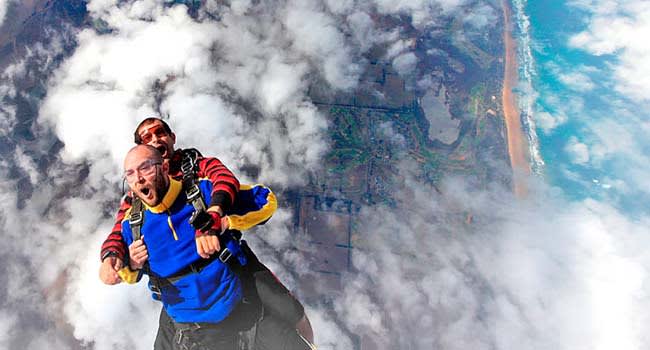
x=128 y=276
x=245 y=222
x=171 y=226
x=174 y=190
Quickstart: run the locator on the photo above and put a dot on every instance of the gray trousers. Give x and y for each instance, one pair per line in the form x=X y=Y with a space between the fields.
x=194 y=336
x=269 y=333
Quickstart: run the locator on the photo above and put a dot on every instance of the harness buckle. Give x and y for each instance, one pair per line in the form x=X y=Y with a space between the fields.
x=155 y=289
x=187 y=167
x=181 y=329
x=193 y=193
x=225 y=255
x=136 y=218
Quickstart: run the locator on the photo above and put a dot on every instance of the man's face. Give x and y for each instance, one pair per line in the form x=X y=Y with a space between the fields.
x=146 y=176
x=154 y=134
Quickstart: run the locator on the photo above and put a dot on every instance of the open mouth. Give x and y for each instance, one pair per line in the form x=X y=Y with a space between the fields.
x=162 y=150
x=145 y=191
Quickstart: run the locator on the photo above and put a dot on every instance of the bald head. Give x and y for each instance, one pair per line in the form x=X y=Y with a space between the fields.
x=143 y=152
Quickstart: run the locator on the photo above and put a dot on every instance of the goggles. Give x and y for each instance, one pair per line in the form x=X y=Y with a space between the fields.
x=148 y=134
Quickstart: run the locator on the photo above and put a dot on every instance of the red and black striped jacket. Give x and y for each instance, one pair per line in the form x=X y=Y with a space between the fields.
x=225 y=188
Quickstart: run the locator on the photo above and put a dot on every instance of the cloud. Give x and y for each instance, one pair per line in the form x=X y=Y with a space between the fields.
x=315 y=34
x=7 y=323
x=547 y=121
x=423 y=13
x=577 y=81
x=620 y=28
x=4 y=4
x=578 y=151
x=481 y=16
x=537 y=274
x=405 y=63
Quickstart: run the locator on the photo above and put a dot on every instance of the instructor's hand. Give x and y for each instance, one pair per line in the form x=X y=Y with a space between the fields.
x=207 y=245
x=108 y=270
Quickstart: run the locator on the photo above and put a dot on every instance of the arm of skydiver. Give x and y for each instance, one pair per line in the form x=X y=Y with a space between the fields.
x=224 y=183
x=114 y=244
x=242 y=210
x=108 y=270
x=113 y=249
x=254 y=205
x=224 y=191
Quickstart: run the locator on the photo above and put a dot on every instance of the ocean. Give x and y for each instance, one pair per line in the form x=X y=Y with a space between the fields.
x=571 y=108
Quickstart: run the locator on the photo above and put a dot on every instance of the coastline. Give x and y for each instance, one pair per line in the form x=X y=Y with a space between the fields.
x=517 y=142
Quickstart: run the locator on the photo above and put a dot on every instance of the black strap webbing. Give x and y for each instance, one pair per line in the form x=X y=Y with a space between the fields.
x=189 y=168
x=136 y=219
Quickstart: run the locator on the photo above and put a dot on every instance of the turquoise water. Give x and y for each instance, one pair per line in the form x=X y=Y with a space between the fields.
x=550 y=26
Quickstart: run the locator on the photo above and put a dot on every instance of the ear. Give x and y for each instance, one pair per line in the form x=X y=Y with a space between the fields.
x=173 y=136
x=165 y=167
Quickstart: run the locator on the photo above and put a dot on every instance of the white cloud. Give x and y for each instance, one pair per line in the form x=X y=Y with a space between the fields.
x=612 y=139
x=315 y=34
x=107 y=315
x=423 y=13
x=577 y=81
x=398 y=47
x=481 y=16
x=7 y=324
x=536 y=274
x=548 y=121
x=620 y=28
x=405 y=63
x=363 y=29
x=578 y=151
x=3 y=10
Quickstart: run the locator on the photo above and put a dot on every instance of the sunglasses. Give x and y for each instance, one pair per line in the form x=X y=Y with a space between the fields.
x=148 y=134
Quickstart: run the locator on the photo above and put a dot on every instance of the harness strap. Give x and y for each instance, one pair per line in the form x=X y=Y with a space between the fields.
x=136 y=219
x=231 y=254
x=189 y=168
x=230 y=241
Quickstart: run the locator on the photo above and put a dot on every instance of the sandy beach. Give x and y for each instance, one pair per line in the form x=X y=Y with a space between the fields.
x=517 y=142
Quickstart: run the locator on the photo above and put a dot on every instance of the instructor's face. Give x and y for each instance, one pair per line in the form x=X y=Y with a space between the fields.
x=154 y=134
x=146 y=176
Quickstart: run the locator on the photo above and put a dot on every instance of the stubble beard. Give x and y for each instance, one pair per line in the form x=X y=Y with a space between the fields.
x=161 y=186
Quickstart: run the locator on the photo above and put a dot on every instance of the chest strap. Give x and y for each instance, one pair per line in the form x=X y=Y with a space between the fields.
x=231 y=254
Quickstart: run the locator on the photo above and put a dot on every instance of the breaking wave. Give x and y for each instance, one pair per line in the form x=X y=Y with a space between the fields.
x=525 y=92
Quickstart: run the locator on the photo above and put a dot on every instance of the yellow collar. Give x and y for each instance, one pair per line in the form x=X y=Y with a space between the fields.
x=169 y=198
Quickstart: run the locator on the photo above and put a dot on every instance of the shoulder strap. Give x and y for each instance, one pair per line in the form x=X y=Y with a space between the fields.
x=189 y=168
x=136 y=218
x=189 y=163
